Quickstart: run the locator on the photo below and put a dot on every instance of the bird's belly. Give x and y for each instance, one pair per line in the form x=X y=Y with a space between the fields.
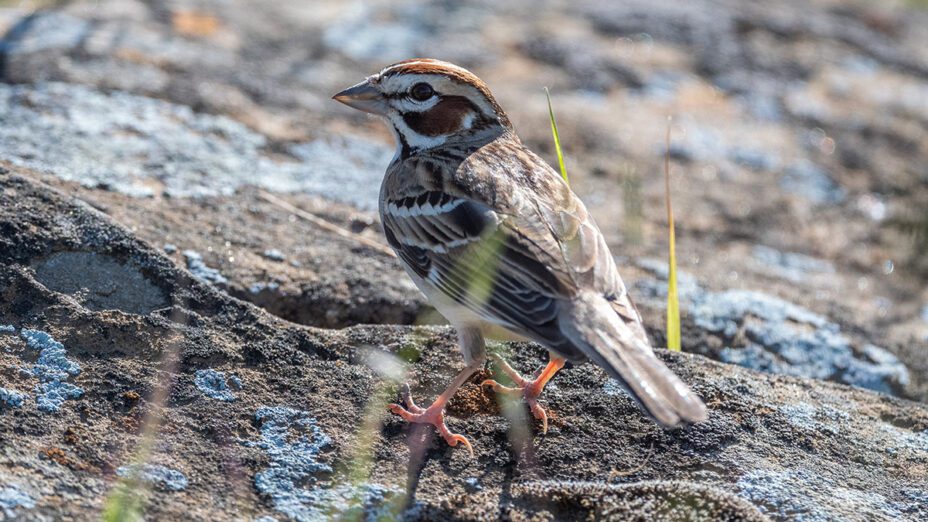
x=453 y=311
x=459 y=315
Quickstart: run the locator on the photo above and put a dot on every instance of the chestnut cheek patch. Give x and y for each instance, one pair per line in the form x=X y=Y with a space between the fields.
x=446 y=117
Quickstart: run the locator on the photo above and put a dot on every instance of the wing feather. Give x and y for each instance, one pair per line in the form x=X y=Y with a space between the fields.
x=470 y=245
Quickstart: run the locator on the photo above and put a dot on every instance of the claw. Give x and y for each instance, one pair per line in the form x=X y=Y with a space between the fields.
x=456 y=438
x=539 y=413
x=396 y=409
x=405 y=396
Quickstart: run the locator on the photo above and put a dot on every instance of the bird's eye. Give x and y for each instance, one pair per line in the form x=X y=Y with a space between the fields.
x=421 y=91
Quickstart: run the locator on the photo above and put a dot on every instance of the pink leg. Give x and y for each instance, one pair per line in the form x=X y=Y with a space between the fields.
x=530 y=390
x=472 y=346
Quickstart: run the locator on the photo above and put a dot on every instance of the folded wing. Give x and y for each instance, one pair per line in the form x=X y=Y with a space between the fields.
x=541 y=268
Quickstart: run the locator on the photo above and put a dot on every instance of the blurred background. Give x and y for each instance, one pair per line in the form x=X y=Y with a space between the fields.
x=799 y=136
x=799 y=152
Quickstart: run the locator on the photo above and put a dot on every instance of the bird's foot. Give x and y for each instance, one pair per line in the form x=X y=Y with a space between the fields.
x=434 y=415
x=528 y=389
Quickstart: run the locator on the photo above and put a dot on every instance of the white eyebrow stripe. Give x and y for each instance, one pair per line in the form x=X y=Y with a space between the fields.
x=402 y=82
x=441 y=83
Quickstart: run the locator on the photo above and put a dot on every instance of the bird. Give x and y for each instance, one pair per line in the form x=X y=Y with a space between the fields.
x=495 y=238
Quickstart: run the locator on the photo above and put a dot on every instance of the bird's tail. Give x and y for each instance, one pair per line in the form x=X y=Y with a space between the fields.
x=592 y=325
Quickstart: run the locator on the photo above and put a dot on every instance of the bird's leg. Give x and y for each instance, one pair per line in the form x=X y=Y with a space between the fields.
x=529 y=389
x=472 y=345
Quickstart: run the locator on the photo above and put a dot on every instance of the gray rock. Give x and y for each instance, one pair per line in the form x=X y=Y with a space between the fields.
x=341 y=168
x=297 y=480
x=11 y=398
x=396 y=31
x=314 y=286
x=274 y=255
x=791 y=265
x=589 y=66
x=360 y=40
x=763 y=107
x=808 y=180
x=264 y=287
x=35 y=49
x=687 y=285
x=123 y=142
x=198 y=268
x=130 y=143
x=754 y=159
x=784 y=338
x=84 y=48
x=324 y=442
x=100 y=282
x=660 y=500
x=300 y=457
x=779 y=488
x=12 y=498
x=769 y=334
x=44 y=31
x=751 y=78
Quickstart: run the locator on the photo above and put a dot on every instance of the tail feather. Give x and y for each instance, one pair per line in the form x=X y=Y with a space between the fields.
x=592 y=325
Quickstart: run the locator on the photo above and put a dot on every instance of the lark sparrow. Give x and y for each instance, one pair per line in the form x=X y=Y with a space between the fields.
x=494 y=237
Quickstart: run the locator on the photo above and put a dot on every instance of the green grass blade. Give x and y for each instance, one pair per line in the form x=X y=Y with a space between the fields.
x=557 y=139
x=673 y=301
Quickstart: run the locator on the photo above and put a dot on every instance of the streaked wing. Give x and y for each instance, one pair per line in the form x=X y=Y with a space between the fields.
x=510 y=247
x=478 y=258
x=513 y=270
x=585 y=255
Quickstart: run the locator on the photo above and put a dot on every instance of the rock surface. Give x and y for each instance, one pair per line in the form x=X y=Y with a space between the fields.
x=165 y=166
x=308 y=433
x=789 y=102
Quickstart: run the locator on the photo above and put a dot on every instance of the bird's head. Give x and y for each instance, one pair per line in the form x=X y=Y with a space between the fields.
x=429 y=103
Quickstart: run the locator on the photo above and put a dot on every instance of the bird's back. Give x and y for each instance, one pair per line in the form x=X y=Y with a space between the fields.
x=545 y=225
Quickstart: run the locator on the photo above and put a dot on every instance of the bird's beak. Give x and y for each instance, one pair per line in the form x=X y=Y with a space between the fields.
x=364 y=97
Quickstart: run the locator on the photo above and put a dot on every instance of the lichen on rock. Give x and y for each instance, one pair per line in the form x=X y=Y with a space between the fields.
x=200 y=270
x=299 y=481
x=14 y=500
x=766 y=333
x=216 y=385
x=159 y=476
x=53 y=368
x=11 y=398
